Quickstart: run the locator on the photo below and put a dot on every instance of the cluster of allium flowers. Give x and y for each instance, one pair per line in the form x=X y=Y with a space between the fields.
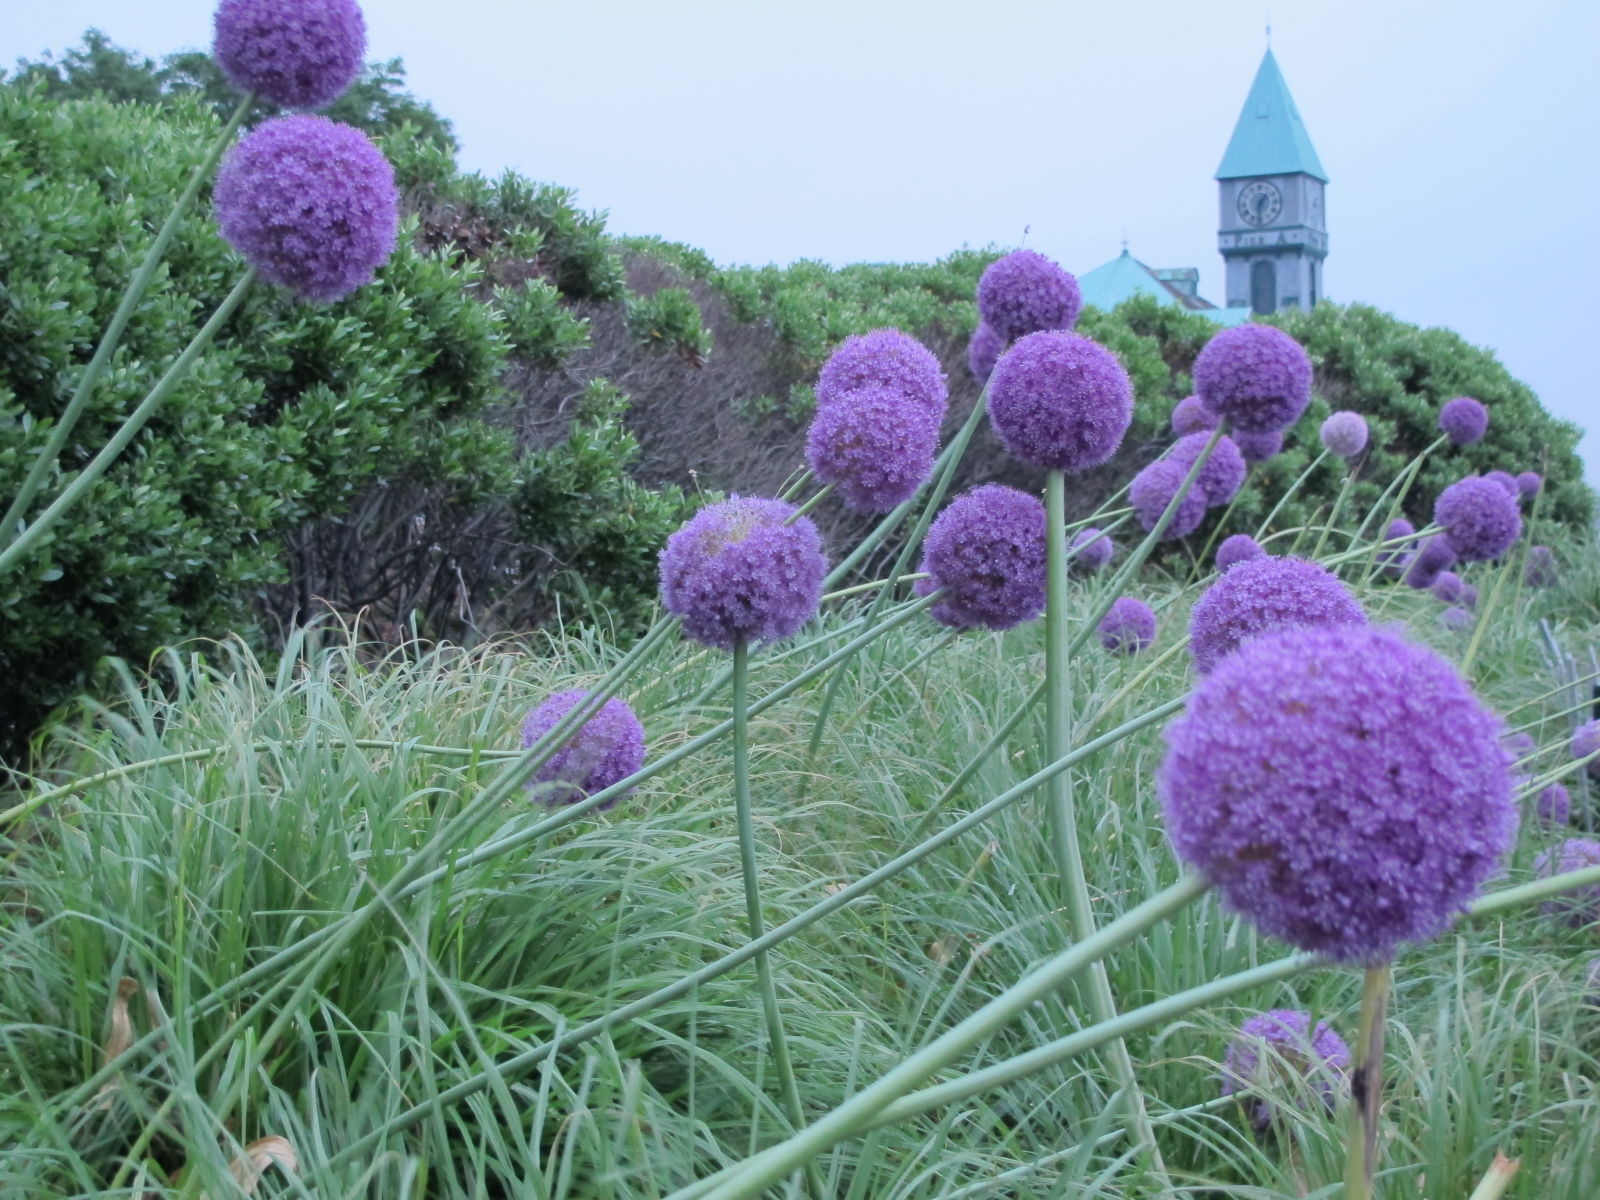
x=1435 y=555
x=1129 y=626
x=296 y=53
x=983 y=351
x=1240 y=547
x=1024 y=292
x=1223 y=475
x=1257 y=447
x=1283 y=1039
x=1447 y=586
x=1091 y=549
x=1463 y=420
x=1256 y=376
x=1529 y=484
x=1540 y=570
x=311 y=204
x=985 y=555
x=884 y=358
x=1263 y=595
x=1553 y=805
x=1585 y=741
x=875 y=445
x=1505 y=480
x=1342 y=787
x=742 y=571
x=1190 y=416
x=1479 y=518
x=1152 y=490
x=1580 y=906
x=1345 y=434
x=606 y=749
x=1060 y=401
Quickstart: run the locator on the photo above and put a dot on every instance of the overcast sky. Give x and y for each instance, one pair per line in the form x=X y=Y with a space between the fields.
x=1460 y=138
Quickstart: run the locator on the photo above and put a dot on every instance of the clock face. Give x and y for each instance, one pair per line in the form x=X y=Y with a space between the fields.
x=1260 y=203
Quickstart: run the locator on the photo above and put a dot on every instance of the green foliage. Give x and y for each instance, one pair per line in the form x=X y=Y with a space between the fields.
x=670 y=320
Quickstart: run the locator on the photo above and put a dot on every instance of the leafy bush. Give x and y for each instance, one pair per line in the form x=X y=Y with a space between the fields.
x=670 y=319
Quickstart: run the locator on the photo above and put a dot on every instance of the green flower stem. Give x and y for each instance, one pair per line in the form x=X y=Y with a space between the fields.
x=1481 y=624
x=821 y=495
x=135 y=421
x=876 y=583
x=750 y=1177
x=109 y=340
x=1333 y=517
x=1366 y=1085
x=1401 y=487
x=1200 y=568
x=797 y=485
x=1496 y=1179
x=1261 y=530
x=1064 y=820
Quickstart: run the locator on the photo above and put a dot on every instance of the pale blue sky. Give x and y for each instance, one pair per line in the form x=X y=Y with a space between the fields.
x=1460 y=138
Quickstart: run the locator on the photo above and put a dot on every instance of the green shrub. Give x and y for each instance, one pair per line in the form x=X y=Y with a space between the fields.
x=670 y=319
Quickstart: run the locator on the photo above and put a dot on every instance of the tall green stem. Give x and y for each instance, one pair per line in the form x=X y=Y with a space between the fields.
x=1366 y=1086
x=1333 y=517
x=1261 y=530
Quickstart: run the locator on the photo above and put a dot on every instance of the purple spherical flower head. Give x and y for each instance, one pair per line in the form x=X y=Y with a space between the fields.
x=1469 y=596
x=1060 y=401
x=295 y=53
x=1024 y=292
x=1345 y=434
x=1585 y=741
x=1342 y=787
x=1129 y=626
x=1580 y=906
x=1263 y=595
x=1479 y=518
x=1457 y=618
x=1272 y=1044
x=1222 y=476
x=1540 y=570
x=1519 y=745
x=1435 y=555
x=1256 y=376
x=1506 y=480
x=1463 y=420
x=983 y=351
x=875 y=445
x=1152 y=490
x=739 y=572
x=1091 y=550
x=884 y=358
x=1529 y=484
x=1240 y=547
x=1190 y=416
x=1394 y=561
x=1553 y=805
x=1447 y=586
x=985 y=552
x=311 y=204
x=1257 y=447
x=606 y=748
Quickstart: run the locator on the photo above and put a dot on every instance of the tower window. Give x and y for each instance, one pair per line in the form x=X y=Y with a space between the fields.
x=1263 y=286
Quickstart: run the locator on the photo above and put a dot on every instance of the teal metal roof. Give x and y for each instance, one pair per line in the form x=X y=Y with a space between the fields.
x=1125 y=277
x=1270 y=138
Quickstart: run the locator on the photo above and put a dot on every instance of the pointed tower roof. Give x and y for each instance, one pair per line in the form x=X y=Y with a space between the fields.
x=1270 y=138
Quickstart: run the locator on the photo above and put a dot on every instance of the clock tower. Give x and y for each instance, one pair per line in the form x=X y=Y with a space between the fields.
x=1274 y=233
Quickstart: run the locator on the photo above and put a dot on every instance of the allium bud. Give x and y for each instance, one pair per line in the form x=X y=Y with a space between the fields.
x=1342 y=787
x=1345 y=434
x=1553 y=805
x=1580 y=906
x=311 y=204
x=1091 y=550
x=1152 y=490
x=739 y=572
x=1463 y=420
x=1024 y=292
x=1585 y=742
x=1447 y=586
x=1435 y=555
x=296 y=53
x=1529 y=484
x=1541 y=567
x=875 y=445
x=1129 y=626
x=1457 y=618
x=1223 y=475
x=1469 y=596
x=983 y=351
x=1241 y=547
x=1257 y=447
x=1262 y=595
x=1276 y=1056
x=1060 y=401
x=985 y=554
x=605 y=749
x=1479 y=518
x=1506 y=480
x=1394 y=561
x=1256 y=376
x=1190 y=416
x=884 y=358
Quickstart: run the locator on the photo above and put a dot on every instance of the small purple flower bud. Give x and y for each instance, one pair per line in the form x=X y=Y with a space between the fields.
x=1456 y=618
x=1128 y=626
x=1222 y=476
x=983 y=351
x=1024 y=292
x=1463 y=420
x=1394 y=561
x=1435 y=555
x=1580 y=906
x=1262 y=595
x=985 y=553
x=1553 y=805
x=1585 y=741
x=1345 y=434
x=605 y=749
x=1256 y=376
x=1276 y=1054
x=1541 y=567
x=1190 y=416
x=1257 y=447
x=884 y=358
x=1060 y=401
x=1506 y=480
x=1479 y=518
x=875 y=445
x=1529 y=484
x=295 y=53
x=1446 y=586
x=1241 y=547
x=1469 y=596
x=1152 y=490
x=1091 y=550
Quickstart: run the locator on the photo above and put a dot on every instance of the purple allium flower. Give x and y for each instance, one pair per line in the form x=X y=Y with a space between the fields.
x=1060 y=401
x=1342 y=787
x=1256 y=376
x=1091 y=550
x=1457 y=618
x=1529 y=484
x=1435 y=555
x=1469 y=596
x=1479 y=518
x=1257 y=447
x=1581 y=905
x=737 y=572
x=875 y=445
x=310 y=203
x=884 y=358
x=296 y=53
x=985 y=552
x=1129 y=626
x=1280 y=1042
x=1024 y=292
x=1241 y=547
x=1222 y=476
x=1540 y=570
x=1345 y=434
x=1152 y=490
x=1394 y=561
x=1506 y=480
x=1463 y=420
x=1447 y=586
x=983 y=351
x=1585 y=741
x=1553 y=805
x=1262 y=595
x=1190 y=416
x=606 y=748
x=1519 y=745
